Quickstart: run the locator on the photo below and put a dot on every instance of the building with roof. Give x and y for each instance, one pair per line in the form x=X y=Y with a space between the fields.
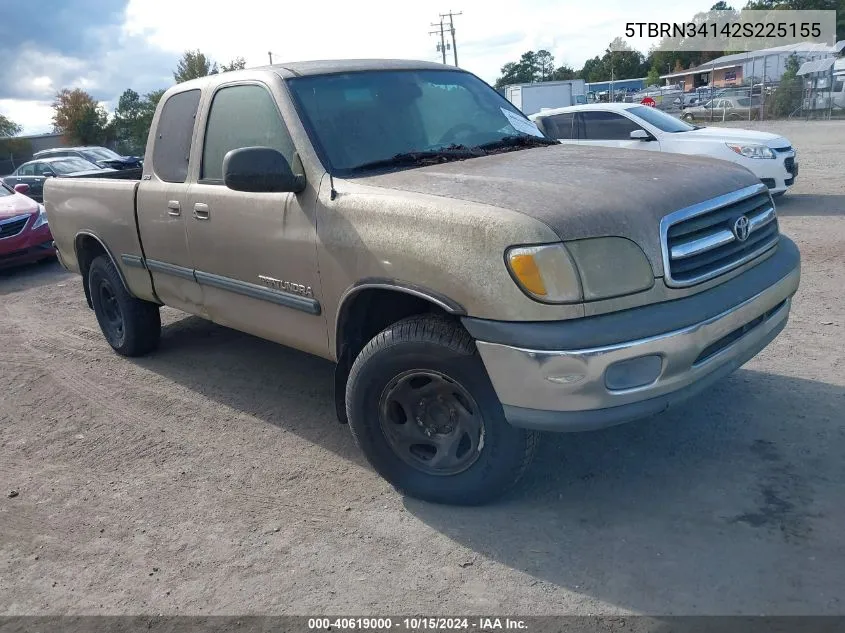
x=766 y=66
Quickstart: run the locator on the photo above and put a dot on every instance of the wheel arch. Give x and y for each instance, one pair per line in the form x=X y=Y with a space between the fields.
x=367 y=308
x=87 y=246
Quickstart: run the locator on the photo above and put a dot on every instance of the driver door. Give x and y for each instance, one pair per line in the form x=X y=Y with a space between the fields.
x=254 y=254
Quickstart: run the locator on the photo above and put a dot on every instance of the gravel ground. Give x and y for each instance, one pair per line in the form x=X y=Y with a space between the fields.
x=211 y=477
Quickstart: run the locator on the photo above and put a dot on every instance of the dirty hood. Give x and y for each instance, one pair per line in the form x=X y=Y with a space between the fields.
x=580 y=192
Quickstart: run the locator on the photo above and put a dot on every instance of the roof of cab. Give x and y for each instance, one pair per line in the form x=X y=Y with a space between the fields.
x=331 y=66
x=310 y=68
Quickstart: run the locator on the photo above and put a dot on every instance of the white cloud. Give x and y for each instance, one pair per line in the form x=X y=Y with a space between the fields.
x=141 y=52
x=494 y=32
x=34 y=116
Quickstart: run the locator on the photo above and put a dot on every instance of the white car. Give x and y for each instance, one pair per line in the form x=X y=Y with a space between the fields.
x=633 y=126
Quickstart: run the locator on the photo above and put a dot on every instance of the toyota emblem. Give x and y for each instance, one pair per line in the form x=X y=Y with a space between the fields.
x=742 y=227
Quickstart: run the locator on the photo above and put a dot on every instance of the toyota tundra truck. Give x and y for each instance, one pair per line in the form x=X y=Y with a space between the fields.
x=474 y=281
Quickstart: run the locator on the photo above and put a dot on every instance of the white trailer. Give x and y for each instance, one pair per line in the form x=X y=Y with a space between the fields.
x=531 y=98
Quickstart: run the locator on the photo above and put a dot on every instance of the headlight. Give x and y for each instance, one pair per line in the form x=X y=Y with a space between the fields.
x=41 y=220
x=752 y=151
x=581 y=270
x=545 y=273
x=611 y=267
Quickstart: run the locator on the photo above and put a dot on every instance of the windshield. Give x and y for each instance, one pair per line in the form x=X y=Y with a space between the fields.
x=100 y=153
x=70 y=165
x=660 y=120
x=358 y=118
x=5 y=190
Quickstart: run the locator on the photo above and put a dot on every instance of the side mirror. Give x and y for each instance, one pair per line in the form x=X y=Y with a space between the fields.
x=22 y=188
x=641 y=135
x=48 y=174
x=260 y=169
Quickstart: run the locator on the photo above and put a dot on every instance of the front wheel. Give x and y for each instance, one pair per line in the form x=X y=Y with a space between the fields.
x=688 y=118
x=425 y=415
x=131 y=326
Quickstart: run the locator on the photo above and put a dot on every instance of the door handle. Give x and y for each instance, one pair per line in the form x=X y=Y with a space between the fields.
x=174 y=208
x=201 y=211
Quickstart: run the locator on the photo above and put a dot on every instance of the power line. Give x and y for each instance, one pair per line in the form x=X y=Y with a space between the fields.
x=443 y=45
x=451 y=15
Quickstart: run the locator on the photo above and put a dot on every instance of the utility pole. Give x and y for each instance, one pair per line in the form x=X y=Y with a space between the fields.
x=442 y=45
x=451 y=15
x=270 y=55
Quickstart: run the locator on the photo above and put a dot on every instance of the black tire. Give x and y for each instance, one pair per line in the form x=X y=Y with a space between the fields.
x=131 y=326
x=688 y=118
x=437 y=349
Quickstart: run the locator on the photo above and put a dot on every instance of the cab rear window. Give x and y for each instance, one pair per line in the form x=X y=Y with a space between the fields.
x=175 y=130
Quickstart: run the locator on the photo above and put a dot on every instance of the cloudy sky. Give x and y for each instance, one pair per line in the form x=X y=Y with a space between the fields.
x=106 y=46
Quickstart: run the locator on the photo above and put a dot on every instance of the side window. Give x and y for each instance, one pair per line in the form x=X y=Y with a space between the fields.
x=560 y=126
x=27 y=170
x=42 y=168
x=241 y=116
x=607 y=126
x=175 y=129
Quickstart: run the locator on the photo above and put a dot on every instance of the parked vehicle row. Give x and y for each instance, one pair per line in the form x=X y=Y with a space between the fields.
x=100 y=156
x=631 y=126
x=473 y=280
x=35 y=172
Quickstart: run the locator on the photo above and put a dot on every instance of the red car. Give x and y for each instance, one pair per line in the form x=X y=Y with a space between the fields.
x=24 y=234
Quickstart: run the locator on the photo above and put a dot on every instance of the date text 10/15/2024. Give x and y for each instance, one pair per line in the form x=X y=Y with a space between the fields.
x=417 y=624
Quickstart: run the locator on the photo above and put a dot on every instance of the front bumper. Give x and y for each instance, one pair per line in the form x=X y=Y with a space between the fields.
x=30 y=245
x=567 y=389
x=778 y=174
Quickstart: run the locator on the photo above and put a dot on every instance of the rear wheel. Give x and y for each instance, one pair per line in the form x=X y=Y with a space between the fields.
x=688 y=118
x=425 y=415
x=131 y=326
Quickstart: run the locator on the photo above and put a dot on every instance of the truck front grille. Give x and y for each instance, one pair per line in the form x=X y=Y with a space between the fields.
x=709 y=239
x=12 y=226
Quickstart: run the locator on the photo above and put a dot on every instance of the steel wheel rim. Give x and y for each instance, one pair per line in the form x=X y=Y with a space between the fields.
x=431 y=422
x=111 y=309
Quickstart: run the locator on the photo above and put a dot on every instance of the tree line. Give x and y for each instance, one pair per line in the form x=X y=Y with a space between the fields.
x=620 y=61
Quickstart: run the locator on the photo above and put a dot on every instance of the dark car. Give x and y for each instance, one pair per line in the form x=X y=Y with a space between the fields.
x=100 y=156
x=35 y=172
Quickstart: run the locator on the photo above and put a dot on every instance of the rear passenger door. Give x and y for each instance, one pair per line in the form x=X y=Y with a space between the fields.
x=163 y=205
x=610 y=129
x=560 y=127
x=255 y=254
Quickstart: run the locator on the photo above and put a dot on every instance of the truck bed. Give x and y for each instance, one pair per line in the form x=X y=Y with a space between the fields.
x=100 y=208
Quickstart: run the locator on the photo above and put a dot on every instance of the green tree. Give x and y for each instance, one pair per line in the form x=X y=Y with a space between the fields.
x=8 y=127
x=522 y=72
x=653 y=77
x=194 y=64
x=563 y=72
x=544 y=65
x=722 y=6
x=239 y=63
x=591 y=70
x=787 y=97
x=78 y=116
x=805 y=5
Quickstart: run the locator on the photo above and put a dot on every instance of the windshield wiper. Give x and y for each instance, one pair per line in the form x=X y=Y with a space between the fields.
x=521 y=141
x=424 y=157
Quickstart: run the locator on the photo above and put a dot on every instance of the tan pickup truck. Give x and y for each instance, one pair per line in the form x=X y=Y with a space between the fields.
x=474 y=281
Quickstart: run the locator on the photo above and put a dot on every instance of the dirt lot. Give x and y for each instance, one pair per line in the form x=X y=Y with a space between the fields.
x=212 y=477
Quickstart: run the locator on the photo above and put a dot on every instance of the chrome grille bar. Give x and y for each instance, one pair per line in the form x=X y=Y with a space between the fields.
x=698 y=243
